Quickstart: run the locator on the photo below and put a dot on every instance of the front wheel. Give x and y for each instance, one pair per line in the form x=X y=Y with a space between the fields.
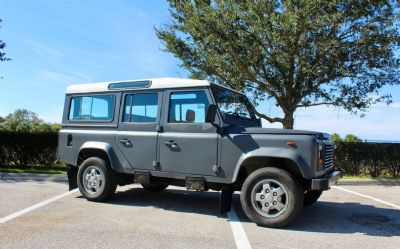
x=96 y=180
x=271 y=197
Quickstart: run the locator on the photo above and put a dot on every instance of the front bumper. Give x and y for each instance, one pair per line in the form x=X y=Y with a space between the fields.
x=326 y=181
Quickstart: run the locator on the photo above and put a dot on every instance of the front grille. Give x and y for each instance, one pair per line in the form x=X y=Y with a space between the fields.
x=329 y=150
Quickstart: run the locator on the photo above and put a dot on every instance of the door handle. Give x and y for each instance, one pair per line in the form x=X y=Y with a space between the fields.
x=126 y=142
x=172 y=144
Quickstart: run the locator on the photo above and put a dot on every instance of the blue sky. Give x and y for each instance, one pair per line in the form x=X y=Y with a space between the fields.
x=56 y=43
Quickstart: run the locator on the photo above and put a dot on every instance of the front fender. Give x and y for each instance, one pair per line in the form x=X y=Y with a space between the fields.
x=106 y=148
x=283 y=153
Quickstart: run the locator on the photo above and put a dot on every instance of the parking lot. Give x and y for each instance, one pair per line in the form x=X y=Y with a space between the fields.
x=345 y=217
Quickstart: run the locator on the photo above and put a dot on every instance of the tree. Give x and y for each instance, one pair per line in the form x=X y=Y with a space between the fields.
x=23 y=120
x=2 y=54
x=2 y=46
x=297 y=53
x=350 y=138
x=336 y=137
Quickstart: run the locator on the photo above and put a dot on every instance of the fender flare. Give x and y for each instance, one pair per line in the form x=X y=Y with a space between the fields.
x=281 y=153
x=106 y=148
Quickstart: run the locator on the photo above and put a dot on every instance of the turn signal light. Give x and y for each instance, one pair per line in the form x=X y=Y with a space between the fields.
x=290 y=143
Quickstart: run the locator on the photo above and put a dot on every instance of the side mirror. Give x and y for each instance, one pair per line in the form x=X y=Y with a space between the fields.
x=211 y=113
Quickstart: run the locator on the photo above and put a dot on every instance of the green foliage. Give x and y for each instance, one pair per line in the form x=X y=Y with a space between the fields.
x=27 y=149
x=2 y=46
x=350 y=138
x=298 y=53
x=23 y=120
x=373 y=159
x=2 y=54
x=336 y=137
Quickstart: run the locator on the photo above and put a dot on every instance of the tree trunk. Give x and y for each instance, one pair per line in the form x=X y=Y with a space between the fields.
x=288 y=121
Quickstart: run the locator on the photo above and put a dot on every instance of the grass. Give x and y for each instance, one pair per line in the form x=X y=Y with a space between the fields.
x=33 y=170
x=62 y=171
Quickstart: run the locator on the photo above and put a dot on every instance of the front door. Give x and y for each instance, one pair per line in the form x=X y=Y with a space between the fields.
x=187 y=144
x=137 y=136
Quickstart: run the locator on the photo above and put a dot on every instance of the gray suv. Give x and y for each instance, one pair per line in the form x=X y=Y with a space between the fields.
x=190 y=133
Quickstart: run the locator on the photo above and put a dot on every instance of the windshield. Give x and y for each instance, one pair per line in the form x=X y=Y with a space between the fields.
x=232 y=104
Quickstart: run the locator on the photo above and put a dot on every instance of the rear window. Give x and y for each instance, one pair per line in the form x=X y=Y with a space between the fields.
x=141 y=108
x=92 y=108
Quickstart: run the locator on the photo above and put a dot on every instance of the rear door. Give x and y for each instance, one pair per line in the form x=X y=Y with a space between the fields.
x=187 y=144
x=137 y=136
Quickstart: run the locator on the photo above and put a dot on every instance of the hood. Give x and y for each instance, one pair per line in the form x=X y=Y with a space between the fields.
x=259 y=130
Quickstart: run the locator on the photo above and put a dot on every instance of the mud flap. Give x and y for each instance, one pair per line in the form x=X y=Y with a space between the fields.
x=225 y=200
x=72 y=177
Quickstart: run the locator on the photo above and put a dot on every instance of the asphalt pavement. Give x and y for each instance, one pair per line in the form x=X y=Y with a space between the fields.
x=176 y=218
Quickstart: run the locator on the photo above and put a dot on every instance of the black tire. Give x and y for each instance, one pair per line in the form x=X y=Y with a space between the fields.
x=292 y=198
x=154 y=186
x=311 y=196
x=108 y=183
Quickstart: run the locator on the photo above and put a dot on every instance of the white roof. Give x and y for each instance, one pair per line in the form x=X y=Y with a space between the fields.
x=156 y=83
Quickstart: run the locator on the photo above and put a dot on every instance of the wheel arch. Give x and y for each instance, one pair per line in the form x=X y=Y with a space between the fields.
x=287 y=160
x=98 y=149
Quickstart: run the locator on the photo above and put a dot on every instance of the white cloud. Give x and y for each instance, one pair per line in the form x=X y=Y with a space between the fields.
x=381 y=122
x=45 y=52
x=395 y=105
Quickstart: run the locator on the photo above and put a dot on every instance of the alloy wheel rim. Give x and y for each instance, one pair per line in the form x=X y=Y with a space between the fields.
x=269 y=198
x=93 y=180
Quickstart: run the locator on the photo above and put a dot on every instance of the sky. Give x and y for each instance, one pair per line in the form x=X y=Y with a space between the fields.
x=53 y=44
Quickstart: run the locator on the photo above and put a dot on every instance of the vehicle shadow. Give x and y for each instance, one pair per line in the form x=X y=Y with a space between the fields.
x=322 y=217
x=178 y=200
x=343 y=218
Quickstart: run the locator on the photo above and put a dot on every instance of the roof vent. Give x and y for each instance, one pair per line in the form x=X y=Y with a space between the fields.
x=129 y=84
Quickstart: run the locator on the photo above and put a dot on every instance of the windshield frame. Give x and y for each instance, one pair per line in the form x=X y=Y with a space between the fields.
x=233 y=119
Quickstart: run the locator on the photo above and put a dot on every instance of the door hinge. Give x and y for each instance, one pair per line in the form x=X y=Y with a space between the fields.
x=157 y=165
x=159 y=128
x=216 y=169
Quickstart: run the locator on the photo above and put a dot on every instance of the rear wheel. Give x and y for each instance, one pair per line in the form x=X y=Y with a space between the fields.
x=154 y=186
x=271 y=197
x=311 y=196
x=96 y=180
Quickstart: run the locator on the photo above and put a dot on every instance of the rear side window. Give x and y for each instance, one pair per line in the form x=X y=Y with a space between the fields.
x=92 y=108
x=140 y=108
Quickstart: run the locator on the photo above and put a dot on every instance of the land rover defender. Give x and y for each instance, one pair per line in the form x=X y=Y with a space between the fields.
x=194 y=134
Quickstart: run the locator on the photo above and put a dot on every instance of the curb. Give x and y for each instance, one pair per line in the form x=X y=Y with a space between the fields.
x=62 y=178
x=366 y=182
x=22 y=177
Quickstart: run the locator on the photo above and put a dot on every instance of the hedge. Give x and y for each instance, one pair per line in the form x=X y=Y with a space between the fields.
x=28 y=150
x=371 y=159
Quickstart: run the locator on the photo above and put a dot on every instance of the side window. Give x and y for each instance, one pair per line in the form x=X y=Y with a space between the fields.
x=92 y=108
x=188 y=107
x=140 y=108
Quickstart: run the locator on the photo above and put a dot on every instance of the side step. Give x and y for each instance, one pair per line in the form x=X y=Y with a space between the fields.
x=195 y=183
x=141 y=177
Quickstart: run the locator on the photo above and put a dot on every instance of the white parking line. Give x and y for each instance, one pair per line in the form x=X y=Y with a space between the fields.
x=240 y=236
x=36 y=206
x=367 y=196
